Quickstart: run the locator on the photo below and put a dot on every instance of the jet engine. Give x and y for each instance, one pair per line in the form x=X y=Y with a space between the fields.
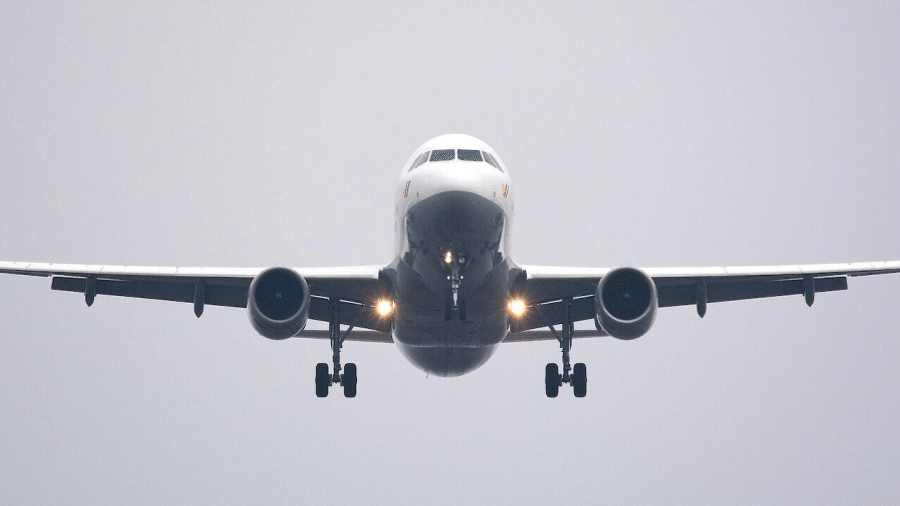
x=625 y=303
x=278 y=303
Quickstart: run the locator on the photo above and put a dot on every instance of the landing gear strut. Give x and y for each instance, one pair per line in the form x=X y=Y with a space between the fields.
x=454 y=304
x=347 y=380
x=576 y=377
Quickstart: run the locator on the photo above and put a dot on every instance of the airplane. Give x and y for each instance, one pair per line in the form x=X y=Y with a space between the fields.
x=452 y=294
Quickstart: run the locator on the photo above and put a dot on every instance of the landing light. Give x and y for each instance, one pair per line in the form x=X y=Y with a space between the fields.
x=384 y=307
x=448 y=258
x=517 y=307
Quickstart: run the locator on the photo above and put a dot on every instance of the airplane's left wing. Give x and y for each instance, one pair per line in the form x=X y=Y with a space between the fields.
x=356 y=288
x=545 y=288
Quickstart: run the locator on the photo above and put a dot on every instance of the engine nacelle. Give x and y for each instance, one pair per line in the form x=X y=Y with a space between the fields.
x=626 y=303
x=278 y=303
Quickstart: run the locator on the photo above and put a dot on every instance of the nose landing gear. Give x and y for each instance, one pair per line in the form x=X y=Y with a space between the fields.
x=455 y=305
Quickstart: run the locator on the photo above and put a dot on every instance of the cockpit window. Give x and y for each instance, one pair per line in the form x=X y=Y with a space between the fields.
x=491 y=160
x=420 y=160
x=442 y=155
x=469 y=155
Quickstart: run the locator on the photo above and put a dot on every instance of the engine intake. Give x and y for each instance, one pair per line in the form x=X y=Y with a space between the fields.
x=626 y=303
x=278 y=303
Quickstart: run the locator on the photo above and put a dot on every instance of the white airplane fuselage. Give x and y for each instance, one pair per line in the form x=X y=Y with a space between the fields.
x=452 y=274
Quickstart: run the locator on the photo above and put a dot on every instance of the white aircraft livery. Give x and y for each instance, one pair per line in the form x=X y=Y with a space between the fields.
x=452 y=293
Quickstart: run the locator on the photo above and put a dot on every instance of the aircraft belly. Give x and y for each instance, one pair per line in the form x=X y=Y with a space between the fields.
x=446 y=348
x=421 y=318
x=449 y=361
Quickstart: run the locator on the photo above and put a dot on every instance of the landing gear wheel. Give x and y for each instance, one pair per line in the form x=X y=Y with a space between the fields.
x=323 y=380
x=348 y=381
x=579 y=380
x=551 y=380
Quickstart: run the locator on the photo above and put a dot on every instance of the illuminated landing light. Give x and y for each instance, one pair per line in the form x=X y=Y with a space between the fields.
x=448 y=258
x=517 y=307
x=384 y=307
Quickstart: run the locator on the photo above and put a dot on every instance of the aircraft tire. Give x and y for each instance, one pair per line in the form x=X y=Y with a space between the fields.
x=323 y=381
x=551 y=379
x=579 y=380
x=349 y=380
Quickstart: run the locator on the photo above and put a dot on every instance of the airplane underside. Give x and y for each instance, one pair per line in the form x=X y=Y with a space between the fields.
x=447 y=361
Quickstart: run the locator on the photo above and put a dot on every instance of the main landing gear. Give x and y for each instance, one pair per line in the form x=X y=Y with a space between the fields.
x=347 y=380
x=576 y=377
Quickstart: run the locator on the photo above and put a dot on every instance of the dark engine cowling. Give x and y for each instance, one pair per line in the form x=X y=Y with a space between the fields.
x=626 y=303
x=278 y=303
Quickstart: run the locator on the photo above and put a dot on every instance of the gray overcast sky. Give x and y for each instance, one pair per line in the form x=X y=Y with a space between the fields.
x=650 y=134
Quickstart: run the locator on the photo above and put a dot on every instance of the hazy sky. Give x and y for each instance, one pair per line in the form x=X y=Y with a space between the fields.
x=649 y=134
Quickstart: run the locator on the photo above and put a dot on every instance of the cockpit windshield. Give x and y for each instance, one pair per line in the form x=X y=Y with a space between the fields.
x=442 y=155
x=420 y=160
x=469 y=155
x=491 y=160
x=466 y=155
